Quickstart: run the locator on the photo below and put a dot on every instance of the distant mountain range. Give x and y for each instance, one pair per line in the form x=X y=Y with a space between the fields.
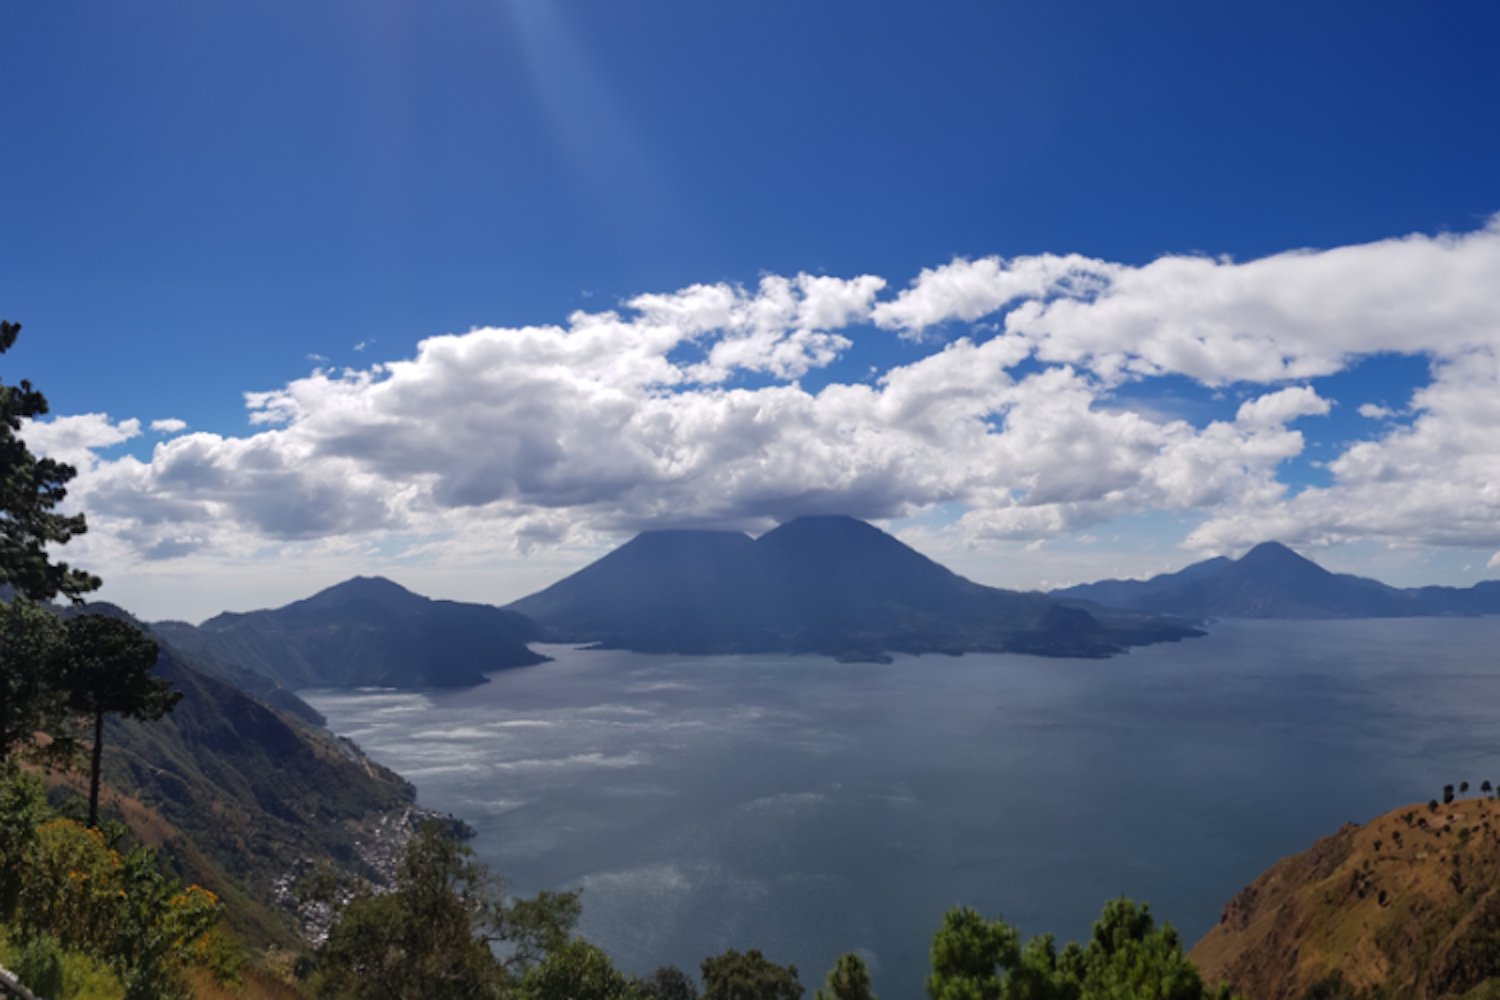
x=1272 y=581
x=830 y=585
x=364 y=632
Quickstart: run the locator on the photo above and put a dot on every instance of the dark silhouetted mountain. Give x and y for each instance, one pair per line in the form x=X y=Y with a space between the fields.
x=830 y=585
x=1480 y=599
x=1272 y=581
x=1121 y=593
x=657 y=586
x=365 y=632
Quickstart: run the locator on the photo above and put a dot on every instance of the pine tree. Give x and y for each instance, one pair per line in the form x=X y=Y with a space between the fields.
x=847 y=980
x=30 y=490
x=108 y=672
x=748 y=976
x=30 y=638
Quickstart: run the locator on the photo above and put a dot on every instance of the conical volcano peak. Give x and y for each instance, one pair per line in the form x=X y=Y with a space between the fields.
x=1273 y=581
x=685 y=536
x=1274 y=554
x=375 y=589
x=827 y=522
x=677 y=544
x=823 y=526
x=367 y=585
x=832 y=546
x=1266 y=549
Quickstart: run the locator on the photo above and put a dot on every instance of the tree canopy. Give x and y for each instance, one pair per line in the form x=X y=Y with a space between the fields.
x=108 y=672
x=578 y=970
x=30 y=490
x=1128 y=957
x=748 y=976
x=847 y=980
x=31 y=641
x=33 y=645
x=432 y=934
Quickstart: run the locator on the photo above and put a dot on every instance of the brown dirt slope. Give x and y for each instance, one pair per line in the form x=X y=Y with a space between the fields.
x=1405 y=906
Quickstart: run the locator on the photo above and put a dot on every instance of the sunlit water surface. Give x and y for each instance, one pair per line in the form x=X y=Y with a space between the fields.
x=807 y=807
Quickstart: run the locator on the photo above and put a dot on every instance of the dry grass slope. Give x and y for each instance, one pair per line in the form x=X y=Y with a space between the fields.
x=1405 y=906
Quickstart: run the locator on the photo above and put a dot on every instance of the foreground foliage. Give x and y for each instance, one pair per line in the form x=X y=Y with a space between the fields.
x=57 y=974
x=436 y=932
x=447 y=930
x=748 y=976
x=1128 y=957
x=70 y=890
x=847 y=980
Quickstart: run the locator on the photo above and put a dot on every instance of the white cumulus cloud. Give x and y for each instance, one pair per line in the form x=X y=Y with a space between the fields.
x=75 y=439
x=688 y=408
x=1282 y=406
x=970 y=289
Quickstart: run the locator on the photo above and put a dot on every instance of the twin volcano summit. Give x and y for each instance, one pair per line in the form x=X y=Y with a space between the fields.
x=830 y=585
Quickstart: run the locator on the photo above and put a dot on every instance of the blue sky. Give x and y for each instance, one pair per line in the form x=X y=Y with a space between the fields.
x=204 y=200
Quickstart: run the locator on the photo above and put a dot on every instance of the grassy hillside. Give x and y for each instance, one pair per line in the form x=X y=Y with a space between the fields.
x=1405 y=906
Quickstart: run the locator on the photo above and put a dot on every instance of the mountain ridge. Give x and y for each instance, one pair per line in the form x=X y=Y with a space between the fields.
x=363 y=632
x=1273 y=581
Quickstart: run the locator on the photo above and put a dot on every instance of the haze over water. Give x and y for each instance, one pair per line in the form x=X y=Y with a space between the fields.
x=807 y=807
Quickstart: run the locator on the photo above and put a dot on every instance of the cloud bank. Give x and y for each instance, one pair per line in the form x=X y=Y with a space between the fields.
x=688 y=408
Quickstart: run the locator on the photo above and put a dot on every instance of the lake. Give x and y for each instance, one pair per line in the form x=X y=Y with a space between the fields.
x=807 y=807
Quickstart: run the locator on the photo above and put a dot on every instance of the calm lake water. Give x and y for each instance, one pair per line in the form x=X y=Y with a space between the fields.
x=806 y=807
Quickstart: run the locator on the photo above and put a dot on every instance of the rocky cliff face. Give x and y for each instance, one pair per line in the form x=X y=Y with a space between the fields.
x=1407 y=905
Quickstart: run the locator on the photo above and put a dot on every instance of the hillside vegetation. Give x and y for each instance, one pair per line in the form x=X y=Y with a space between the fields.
x=431 y=936
x=259 y=794
x=1405 y=906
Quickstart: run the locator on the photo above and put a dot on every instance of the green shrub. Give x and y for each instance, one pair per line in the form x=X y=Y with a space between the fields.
x=39 y=965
